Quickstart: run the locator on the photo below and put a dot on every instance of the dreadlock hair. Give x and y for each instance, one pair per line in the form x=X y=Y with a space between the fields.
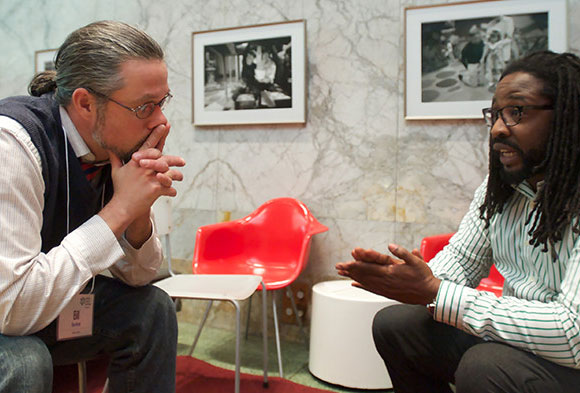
x=558 y=200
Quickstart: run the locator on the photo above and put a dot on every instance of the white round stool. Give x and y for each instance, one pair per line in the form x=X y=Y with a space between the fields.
x=342 y=350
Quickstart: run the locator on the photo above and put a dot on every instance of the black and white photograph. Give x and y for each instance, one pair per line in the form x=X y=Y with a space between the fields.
x=462 y=58
x=44 y=60
x=249 y=75
x=259 y=79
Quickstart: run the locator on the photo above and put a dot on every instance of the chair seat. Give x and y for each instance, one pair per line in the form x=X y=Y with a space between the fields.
x=210 y=286
x=274 y=277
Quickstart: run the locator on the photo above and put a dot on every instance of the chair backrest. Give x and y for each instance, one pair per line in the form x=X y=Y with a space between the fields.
x=431 y=245
x=277 y=235
x=162 y=214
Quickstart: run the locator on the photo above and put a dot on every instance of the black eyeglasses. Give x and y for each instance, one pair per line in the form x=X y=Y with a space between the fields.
x=511 y=114
x=142 y=111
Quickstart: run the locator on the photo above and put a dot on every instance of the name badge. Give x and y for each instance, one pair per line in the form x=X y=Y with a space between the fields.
x=76 y=320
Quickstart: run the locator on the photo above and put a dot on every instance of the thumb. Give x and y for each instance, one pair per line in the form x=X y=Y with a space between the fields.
x=417 y=253
x=404 y=254
x=116 y=162
x=155 y=138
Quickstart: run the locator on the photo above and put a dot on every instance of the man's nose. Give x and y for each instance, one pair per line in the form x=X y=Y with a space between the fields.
x=157 y=118
x=499 y=129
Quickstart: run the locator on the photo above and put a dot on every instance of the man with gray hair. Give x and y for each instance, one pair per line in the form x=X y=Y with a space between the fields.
x=83 y=163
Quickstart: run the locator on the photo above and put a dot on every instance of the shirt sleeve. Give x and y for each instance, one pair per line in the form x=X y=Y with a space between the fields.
x=36 y=286
x=550 y=328
x=468 y=256
x=140 y=266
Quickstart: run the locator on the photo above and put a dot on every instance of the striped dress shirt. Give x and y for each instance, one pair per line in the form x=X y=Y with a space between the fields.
x=539 y=309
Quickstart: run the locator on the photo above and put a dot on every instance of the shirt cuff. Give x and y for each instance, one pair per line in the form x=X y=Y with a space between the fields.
x=452 y=302
x=149 y=255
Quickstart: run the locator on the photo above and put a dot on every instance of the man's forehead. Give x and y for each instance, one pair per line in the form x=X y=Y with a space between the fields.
x=519 y=86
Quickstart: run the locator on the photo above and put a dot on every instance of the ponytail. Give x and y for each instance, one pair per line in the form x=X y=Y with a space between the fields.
x=43 y=82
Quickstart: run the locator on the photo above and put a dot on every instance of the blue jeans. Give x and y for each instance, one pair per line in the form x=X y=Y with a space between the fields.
x=135 y=327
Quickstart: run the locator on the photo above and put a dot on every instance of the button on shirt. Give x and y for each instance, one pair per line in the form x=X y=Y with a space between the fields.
x=539 y=309
x=35 y=286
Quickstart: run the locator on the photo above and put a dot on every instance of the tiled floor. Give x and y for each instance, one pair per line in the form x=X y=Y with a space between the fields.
x=216 y=346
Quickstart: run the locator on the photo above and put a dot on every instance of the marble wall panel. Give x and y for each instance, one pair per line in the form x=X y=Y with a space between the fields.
x=370 y=176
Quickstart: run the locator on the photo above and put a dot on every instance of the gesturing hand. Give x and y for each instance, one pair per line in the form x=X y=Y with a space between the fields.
x=406 y=278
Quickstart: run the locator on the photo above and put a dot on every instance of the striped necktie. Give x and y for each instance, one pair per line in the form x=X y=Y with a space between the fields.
x=90 y=170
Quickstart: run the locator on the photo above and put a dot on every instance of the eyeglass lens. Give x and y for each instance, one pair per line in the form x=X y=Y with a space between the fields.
x=511 y=115
x=146 y=110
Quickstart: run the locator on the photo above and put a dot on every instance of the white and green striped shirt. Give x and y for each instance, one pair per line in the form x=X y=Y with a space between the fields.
x=540 y=305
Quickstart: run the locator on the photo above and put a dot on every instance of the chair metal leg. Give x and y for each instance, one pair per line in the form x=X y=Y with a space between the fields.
x=237 y=378
x=277 y=334
x=82 y=368
x=168 y=254
x=209 y=304
x=265 y=333
x=248 y=316
x=290 y=294
x=106 y=387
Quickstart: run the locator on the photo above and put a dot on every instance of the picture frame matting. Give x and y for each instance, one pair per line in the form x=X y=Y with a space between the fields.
x=250 y=75
x=442 y=81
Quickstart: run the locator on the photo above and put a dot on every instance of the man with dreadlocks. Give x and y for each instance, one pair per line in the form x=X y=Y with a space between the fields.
x=524 y=219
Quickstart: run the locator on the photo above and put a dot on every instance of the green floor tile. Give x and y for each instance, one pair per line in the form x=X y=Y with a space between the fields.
x=217 y=346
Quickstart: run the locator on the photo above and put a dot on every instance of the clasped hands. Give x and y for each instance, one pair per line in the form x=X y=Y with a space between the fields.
x=138 y=183
x=406 y=278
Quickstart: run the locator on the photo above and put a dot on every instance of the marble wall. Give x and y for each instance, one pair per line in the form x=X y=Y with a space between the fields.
x=370 y=176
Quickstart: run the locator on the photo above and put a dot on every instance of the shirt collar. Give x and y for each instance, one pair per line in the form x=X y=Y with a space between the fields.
x=525 y=189
x=77 y=143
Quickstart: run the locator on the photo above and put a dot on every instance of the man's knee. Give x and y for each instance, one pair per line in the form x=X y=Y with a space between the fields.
x=394 y=326
x=472 y=366
x=159 y=311
x=163 y=306
x=397 y=319
x=486 y=366
x=25 y=365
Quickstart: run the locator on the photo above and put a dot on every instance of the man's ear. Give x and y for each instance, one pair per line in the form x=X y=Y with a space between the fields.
x=84 y=104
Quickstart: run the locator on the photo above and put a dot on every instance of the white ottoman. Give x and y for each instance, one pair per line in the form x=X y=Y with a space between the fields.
x=342 y=350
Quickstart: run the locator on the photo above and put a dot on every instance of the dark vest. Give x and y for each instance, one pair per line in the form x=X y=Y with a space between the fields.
x=41 y=119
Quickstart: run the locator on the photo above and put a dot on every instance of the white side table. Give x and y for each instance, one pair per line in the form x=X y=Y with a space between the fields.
x=342 y=350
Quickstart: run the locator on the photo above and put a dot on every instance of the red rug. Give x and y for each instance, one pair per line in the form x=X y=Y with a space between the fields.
x=194 y=375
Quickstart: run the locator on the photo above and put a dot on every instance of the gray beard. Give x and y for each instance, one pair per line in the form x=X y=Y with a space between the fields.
x=124 y=156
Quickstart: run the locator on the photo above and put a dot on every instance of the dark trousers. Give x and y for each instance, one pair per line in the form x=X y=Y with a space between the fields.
x=423 y=355
x=135 y=327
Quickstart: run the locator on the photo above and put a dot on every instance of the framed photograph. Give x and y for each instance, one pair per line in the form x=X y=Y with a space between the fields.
x=454 y=54
x=44 y=60
x=250 y=75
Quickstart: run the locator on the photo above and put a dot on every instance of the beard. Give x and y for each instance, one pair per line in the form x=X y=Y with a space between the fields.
x=531 y=163
x=98 y=136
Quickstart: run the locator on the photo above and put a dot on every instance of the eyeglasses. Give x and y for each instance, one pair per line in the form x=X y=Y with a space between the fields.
x=511 y=114
x=142 y=111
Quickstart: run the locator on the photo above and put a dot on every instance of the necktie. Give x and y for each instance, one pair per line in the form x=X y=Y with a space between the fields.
x=90 y=170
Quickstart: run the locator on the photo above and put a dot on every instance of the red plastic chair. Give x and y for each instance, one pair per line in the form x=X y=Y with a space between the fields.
x=431 y=245
x=272 y=242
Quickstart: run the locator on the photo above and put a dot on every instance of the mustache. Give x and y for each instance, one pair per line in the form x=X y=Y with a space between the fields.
x=506 y=142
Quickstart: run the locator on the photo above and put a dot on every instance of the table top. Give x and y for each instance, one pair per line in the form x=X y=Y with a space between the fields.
x=343 y=289
x=210 y=286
